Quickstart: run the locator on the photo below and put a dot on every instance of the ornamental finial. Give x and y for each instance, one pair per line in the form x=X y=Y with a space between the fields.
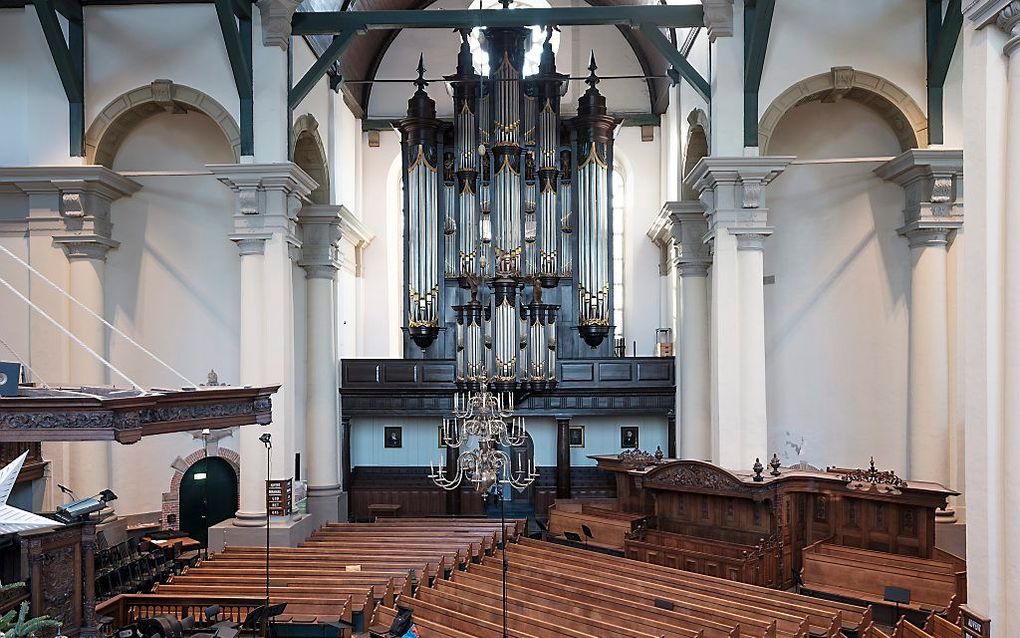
x=593 y=79
x=421 y=82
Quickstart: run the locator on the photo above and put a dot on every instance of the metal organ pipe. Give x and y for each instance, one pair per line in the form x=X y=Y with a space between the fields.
x=508 y=222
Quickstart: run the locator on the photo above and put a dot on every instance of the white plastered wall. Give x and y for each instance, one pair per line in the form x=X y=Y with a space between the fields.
x=836 y=316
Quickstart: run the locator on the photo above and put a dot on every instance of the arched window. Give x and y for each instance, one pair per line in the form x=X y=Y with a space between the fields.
x=619 y=250
x=533 y=53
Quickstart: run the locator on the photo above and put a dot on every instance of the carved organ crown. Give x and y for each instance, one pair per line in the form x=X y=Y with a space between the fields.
x=496 y=204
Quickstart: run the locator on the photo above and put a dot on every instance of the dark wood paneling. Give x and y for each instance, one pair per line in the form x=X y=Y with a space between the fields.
x=424 y=387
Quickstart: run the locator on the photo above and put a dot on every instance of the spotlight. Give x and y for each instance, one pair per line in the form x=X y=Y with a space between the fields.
x=81 y=509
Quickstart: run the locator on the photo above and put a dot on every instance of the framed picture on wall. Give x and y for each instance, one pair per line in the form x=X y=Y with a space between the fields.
x=629 y=436
x=393 y=436
x=576 y=436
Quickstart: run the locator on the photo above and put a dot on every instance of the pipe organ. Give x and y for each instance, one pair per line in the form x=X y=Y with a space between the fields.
x=491 y=281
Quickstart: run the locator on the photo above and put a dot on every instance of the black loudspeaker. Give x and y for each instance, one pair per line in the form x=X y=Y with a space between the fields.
x=10 y=375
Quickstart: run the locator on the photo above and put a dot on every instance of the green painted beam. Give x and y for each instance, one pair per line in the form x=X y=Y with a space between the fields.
x=247 y=104
x=942 y=34
x=70 y=9
x=327 y=22
x=319 y=68
x=949 y=33
x=757 y=27
x=71 y=76
x=69 y=60
x=239 y=64
x=237 y=40
x=677 y=59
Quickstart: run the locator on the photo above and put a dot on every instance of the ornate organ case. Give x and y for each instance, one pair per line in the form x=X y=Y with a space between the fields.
x=508 y=220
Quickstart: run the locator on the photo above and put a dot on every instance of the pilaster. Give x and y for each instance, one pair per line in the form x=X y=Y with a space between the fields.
x=733 y=193
x=320 y=227
x=268 y=198
x=70 y=234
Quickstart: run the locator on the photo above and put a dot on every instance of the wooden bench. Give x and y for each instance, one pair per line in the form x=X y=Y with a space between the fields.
x=861 y=574
x=609 y=528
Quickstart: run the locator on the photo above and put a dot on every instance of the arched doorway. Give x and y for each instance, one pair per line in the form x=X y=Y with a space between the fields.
x=208 y=496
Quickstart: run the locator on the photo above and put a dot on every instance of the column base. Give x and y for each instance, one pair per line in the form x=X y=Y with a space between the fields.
x=283 y=532
x=327 y=504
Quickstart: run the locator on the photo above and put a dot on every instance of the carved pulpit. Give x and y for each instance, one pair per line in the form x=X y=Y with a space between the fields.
x=61 y=576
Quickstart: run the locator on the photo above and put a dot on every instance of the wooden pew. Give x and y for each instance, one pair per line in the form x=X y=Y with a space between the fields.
x=860 y=574
x=820 y=612
x=609 y=528
x=939 y=627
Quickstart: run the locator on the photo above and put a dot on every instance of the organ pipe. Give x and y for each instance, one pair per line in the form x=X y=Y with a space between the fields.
x=421 y=201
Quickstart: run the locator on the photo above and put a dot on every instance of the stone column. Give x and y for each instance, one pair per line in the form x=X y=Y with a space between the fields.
x=933 y=183
x=991 y=302
x=69 y=235
x=726 y=37
x=732 y=190
x=265 y=231
x=90 y=467
x=320 y=234
x=692 y=357
x=563 y=488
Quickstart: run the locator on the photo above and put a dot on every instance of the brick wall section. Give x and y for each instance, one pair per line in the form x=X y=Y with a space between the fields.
x=172 y=498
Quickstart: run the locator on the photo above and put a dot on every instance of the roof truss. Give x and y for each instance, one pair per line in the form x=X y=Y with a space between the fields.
x=757 y=27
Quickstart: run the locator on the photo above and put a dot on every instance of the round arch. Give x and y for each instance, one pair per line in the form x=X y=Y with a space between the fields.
x=309 y=154
x=891 y=102
x=116 y=120
x=695 y=147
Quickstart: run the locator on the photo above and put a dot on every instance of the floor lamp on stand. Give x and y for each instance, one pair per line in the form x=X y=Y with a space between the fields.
x=267 y=440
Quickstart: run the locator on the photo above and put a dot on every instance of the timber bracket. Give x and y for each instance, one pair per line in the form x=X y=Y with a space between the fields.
x=69 y=59
x=235 y=17
x=942 y=34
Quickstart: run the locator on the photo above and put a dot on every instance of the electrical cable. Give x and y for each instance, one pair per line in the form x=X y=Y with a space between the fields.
x=95 y=315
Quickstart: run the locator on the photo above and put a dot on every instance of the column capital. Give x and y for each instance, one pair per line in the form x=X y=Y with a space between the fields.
x=688 y=227
x=718 y=18
x=754 y=240
x=250 y=244
x=93 y=247
x=276 y=18
x=320 y=232
x=661 y=234
x=72 y=200
x=268 y=196
x=983 y=12
x=932 y=182
x=1008 y=19
x=732 y=190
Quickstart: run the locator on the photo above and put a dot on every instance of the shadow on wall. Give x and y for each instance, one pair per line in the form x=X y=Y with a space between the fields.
x=836 y=315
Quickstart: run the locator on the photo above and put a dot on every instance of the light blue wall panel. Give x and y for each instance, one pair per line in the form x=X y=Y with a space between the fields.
x=421 y=444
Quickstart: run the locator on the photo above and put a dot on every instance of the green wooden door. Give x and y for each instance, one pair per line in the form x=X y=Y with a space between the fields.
x=208 y=496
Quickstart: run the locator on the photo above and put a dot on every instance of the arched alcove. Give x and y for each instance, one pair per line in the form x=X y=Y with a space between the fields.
x=122 y=115
x=837 y=299
x=310 y=155
x=890 y=102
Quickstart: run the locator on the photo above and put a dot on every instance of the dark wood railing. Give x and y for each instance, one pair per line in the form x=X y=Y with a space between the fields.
x=34 y=464
x=124 y=609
